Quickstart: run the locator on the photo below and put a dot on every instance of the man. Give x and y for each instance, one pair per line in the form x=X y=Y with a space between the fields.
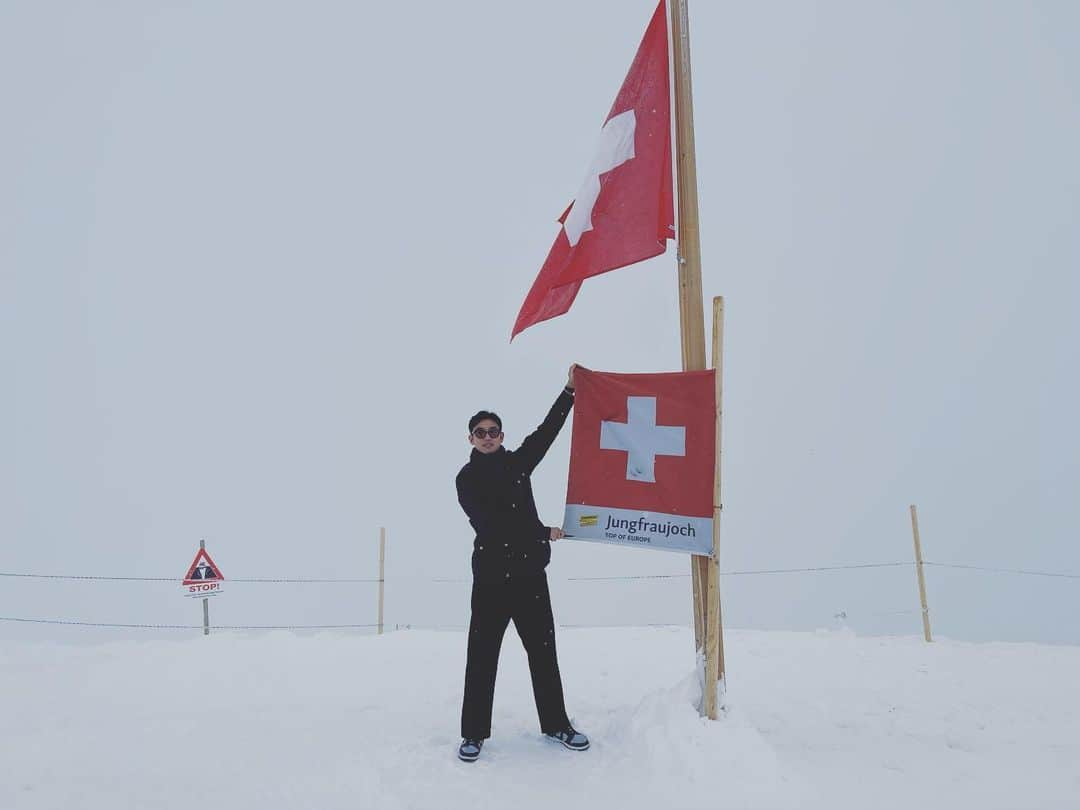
x=511 y=550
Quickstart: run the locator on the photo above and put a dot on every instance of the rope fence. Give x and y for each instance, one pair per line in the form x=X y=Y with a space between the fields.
x=1023 y=571
x=188 y=626
x=350 y=580
x=177 y=579
x=375 y=580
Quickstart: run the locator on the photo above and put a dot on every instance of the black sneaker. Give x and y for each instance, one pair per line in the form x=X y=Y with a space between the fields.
x=469 y=751
x=574 y=740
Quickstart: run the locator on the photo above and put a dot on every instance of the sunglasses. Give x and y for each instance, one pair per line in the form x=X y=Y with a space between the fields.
x=491 y=433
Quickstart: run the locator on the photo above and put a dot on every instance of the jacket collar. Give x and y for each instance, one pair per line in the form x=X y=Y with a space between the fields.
x=486 y=458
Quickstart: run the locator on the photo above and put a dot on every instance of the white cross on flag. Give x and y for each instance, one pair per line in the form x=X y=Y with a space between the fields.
x=642 y=460
x=624 y=211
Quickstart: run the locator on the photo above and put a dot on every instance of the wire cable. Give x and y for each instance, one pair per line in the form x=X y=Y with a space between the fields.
x=179 y=579
x=351 y=580
x=1023 y=571
x=188 y=626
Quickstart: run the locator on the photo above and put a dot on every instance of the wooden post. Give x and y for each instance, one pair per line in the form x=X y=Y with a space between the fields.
x=382 y=577
x=919 y=569
x=688 y=250
x=205 y=602
x=714 y=634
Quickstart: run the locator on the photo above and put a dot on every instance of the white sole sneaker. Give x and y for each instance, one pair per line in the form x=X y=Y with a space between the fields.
x=468 y=757
x=567 y=745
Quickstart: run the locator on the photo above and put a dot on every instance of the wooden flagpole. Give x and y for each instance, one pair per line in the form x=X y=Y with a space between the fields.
x=714 y=633
x=691 y=300
x=382 y=573
x=919 y=570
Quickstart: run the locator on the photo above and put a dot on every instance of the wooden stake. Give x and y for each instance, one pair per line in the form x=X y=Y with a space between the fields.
x=714 y=634
x=691 y=301
x=919 y=569
x=382 y=577
x=205 y=602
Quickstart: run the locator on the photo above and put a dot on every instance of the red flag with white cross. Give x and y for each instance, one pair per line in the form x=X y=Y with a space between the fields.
x=643 y=460
x=624 y=211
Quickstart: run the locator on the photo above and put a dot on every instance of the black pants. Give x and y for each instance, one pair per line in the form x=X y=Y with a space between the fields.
x=528 y=603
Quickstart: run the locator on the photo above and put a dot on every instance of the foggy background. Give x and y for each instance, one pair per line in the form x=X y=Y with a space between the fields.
x=259 y=262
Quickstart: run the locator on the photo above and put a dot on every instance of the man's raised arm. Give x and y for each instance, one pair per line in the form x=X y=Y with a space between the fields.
x=536 y=444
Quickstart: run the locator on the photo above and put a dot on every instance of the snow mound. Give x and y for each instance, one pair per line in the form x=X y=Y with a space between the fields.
x=282 y=721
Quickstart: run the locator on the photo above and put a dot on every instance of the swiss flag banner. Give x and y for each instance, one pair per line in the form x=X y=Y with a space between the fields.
x=624 y=212
x=642 y=460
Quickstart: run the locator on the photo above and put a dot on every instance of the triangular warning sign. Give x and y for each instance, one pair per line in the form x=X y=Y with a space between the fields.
x=203 y=569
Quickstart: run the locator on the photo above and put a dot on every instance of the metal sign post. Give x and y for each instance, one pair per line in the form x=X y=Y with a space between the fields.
x=203 y=579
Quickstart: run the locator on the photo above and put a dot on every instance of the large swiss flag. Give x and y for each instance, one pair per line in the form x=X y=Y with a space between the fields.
x=624 y=212
x=643 y=460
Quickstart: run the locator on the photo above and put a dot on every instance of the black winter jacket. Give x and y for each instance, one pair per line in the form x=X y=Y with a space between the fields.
x=495 y=491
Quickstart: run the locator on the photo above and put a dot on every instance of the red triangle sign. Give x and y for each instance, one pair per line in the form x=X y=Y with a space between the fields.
x=203 y=569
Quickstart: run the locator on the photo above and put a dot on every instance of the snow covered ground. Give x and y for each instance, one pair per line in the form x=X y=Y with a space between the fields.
x=825 y=720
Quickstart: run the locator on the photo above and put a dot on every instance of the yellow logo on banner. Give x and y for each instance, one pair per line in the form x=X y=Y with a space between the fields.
x=588 y=520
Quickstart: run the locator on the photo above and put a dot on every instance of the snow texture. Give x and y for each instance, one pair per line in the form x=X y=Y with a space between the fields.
x=825 y=720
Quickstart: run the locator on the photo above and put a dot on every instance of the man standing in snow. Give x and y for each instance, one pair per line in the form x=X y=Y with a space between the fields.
x=511 y=550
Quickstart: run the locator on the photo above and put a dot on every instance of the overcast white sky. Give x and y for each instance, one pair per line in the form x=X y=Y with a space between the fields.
x=259 y=262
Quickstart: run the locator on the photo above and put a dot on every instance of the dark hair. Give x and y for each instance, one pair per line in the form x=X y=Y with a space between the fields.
x=481 y=416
